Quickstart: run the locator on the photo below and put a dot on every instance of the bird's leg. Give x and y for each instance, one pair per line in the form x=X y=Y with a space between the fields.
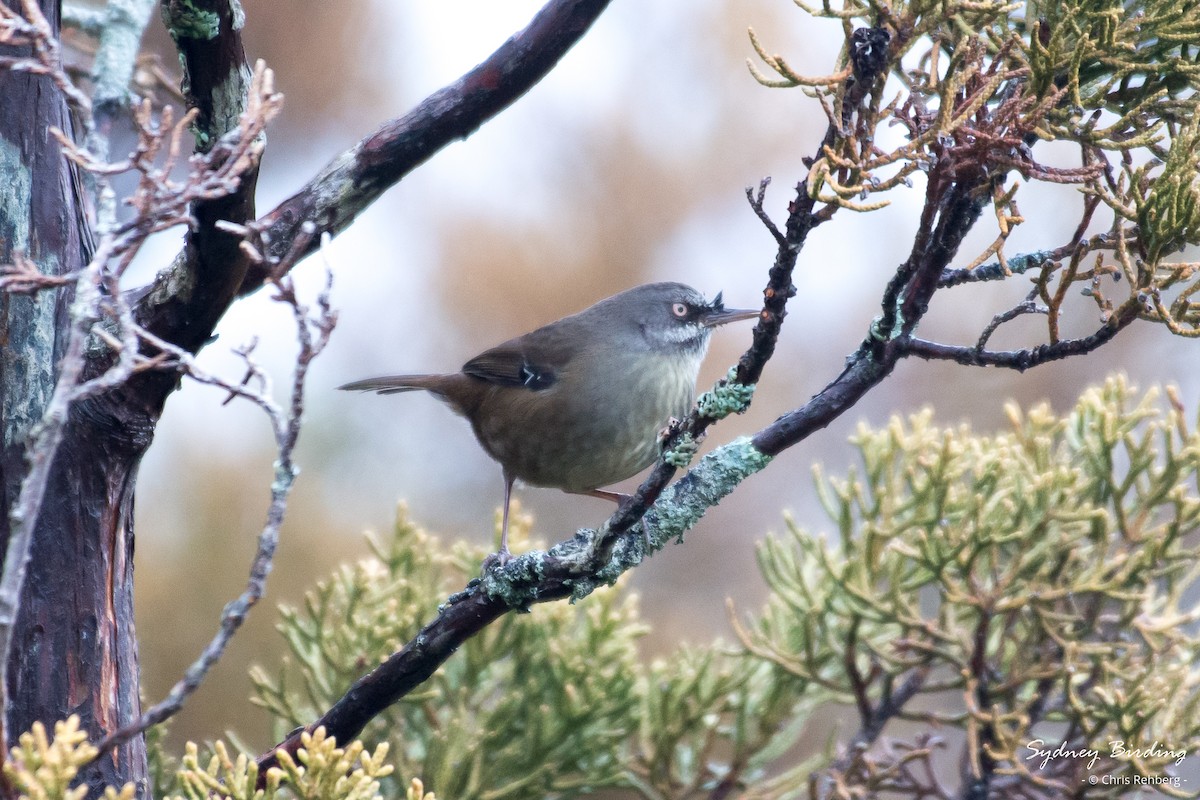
x=604 y=494
x=619 y=498
x=503 y=555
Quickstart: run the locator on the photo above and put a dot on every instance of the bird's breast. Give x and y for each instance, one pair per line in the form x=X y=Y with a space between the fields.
x=597 y=425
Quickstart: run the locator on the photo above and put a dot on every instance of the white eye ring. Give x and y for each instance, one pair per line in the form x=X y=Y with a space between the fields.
x=680 y=310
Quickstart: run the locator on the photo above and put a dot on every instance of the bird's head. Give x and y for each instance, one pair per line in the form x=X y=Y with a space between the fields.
x=672 y=317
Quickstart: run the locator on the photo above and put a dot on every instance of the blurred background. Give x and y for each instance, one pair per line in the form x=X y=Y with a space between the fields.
x=628 y=164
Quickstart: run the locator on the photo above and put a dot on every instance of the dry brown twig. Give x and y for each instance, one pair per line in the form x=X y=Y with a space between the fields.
x=22 y=276
x=312 y=334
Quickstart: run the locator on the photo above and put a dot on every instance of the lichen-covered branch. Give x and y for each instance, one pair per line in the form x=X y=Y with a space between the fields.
x=119 y=32
x=190 y=296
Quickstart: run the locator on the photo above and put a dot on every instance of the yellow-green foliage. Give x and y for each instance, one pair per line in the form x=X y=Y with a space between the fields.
x=321 y=770
x=1031 y=584
x=1037 y=584
x=981 y=593
x=535 y=705
x=554 y=703
x=41 y=768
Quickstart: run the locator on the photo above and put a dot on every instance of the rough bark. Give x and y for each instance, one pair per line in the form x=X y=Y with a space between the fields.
x=75 y=646
x=75 y=650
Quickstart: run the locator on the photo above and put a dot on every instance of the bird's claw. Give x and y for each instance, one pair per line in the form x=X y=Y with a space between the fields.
x=668 y=430
x=496 y=560
x=647 y=544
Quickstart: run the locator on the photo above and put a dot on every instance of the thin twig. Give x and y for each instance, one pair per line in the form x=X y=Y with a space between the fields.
x=312 y=334
x=756 y=203
x=1025 y=358
x=1027 y=306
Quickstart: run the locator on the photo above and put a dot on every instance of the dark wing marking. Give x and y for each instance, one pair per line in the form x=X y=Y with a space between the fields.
x=505 y=367
x=533 y=361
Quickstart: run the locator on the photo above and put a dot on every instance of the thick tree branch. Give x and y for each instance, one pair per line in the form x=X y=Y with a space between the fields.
x=190 y=296
x=357 y=177
x=100 y=418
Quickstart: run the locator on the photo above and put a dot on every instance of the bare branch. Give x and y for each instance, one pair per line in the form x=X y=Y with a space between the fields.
x=756 y=203
x=312 y=334
x=1020 y=360
x=120 y=33
x=1026 y=306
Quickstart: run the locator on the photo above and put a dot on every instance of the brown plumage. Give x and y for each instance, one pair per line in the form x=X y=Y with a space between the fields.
x=577 y=404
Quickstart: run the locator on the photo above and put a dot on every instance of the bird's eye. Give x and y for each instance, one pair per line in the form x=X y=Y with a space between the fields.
x=680 y=310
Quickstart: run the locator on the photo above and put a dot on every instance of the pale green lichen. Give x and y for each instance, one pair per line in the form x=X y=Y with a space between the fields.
x=682 y=453
x=184 y=20
x=237 y=14
x=228 y=103
x=684 y=502
x=15 y=192
x=124 y=21
x=727 y=397
x=25 y=359
x=877 y=332
x=174 y=284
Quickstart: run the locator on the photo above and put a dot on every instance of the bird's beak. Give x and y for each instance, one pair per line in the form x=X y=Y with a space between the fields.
x=718 y=314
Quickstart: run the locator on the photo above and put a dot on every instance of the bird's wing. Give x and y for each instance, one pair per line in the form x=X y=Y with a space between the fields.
x=533 y=361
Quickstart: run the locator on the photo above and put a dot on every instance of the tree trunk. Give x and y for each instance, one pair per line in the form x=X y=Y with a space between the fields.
x=74 y=650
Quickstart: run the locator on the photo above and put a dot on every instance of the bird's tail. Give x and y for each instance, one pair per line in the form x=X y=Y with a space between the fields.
x=392 y=384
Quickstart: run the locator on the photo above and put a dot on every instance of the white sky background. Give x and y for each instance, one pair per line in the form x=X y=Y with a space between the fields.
x=360 y=454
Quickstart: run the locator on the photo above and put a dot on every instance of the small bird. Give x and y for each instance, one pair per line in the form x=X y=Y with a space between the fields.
x=578 y=404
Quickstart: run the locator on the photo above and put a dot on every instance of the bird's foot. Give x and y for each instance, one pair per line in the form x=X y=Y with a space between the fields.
x=646 y=540
x=621 y=499
x=496 y=560
x=668 y=430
